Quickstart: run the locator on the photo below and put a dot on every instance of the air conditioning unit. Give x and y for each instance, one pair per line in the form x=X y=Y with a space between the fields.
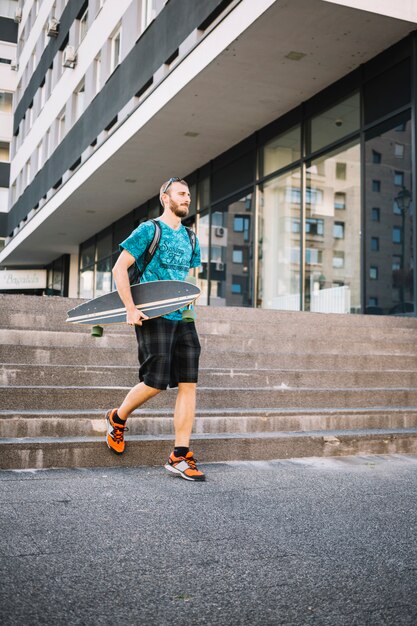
x=18 y=15
x=69 y=58
x=220 y=266
x=219 y=232
x=52 y=28
x=14 y=67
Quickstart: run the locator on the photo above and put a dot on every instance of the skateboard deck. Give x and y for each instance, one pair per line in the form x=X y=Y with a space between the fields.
x=154 y=299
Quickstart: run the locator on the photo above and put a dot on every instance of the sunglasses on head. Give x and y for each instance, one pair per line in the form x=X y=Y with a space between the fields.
x=175 y=179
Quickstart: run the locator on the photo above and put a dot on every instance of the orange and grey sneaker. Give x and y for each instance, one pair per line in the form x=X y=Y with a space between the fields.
x=184 y=466
x=115 y=433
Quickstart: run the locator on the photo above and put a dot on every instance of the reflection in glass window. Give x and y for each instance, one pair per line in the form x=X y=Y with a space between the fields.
x=334 y=124
x=231 y=253
x=279 y=247
x=340 y=200
x=373 y=273
x=396 y=234
x=338 y=259
x=341 y=171
x=375 y=214
x=339 y=230
x=376 y=157
x=389 y=242
x=237 y=255
x=282 y=151
x=399 y=179
x=399 y=150
x=376 y=186
x=332 y=273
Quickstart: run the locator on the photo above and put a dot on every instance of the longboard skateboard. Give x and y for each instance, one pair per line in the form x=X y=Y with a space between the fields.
x=154 y=299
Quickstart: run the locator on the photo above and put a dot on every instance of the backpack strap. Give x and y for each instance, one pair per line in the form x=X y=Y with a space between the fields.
x=193 y=238
x=135 y=274
x=153 y=245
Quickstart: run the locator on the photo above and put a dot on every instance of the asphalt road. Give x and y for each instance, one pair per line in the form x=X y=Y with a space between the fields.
x=311 y=541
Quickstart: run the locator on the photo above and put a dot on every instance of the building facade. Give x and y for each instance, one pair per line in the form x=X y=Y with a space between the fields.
x=8 y=41
x=294 y=123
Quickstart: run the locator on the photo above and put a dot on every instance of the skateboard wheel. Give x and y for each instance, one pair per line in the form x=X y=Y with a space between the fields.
x=97 y=331
x=188 y=315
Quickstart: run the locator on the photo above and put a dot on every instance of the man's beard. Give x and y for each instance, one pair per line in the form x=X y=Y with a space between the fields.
x=178 y=209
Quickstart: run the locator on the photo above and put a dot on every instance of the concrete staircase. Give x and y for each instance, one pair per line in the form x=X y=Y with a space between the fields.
x=272 y=385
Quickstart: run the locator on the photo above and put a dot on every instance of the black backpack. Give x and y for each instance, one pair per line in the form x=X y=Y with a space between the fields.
x=135 y=273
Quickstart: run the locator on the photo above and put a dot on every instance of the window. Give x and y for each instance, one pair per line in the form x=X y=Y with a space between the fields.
x=340 y=200
x=313 y=256
x=375 y=244
x=341 y=171
x=375 y=214
x=237 y=255
x=396 y=234
x=376 y=186
x=399 y=150
x=6 y=102
x=372 y=301
x=335 y=123
x=282 y=150
x=338 y=259
x=61 y=126
x=314 y=226
x=97 y=66
x=83 y=26
x=339 y=230
x=115 y=51
x=399 y=179
x=79 y=100
x=150 y=9
x=40 y=155
x=376 y=157
x=4 y=151
x=27 y=173
x=236 y=288
x=373 y=272
x=396 y=262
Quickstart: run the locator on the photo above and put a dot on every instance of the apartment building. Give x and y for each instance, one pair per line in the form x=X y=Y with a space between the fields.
x=8 y=41
x=293 y=121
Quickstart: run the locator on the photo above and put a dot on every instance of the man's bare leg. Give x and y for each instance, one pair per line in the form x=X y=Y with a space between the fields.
x=184 y=413
x=137 y=396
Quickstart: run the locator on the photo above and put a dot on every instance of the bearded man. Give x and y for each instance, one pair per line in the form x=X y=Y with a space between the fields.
x=168 y=347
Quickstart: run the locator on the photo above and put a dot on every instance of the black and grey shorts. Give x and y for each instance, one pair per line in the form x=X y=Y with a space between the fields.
x=168 y=351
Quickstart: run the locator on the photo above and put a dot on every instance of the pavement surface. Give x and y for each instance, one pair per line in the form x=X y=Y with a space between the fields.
x=307 y=541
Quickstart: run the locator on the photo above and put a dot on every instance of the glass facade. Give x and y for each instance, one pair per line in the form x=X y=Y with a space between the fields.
x=314 y=212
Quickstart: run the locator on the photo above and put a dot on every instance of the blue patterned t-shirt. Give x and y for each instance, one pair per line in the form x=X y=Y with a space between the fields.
x=173 y=257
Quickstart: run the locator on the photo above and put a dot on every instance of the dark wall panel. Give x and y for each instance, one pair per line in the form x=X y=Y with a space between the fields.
x=8 y=30
x=4 y=174
x=3 y=225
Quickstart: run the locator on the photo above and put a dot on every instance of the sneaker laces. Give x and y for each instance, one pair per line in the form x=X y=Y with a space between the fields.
x=118 y=432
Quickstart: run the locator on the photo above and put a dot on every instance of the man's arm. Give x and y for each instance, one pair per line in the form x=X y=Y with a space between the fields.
x=121 y=278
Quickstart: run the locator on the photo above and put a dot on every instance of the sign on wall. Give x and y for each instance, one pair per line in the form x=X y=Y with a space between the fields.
x=22 y=279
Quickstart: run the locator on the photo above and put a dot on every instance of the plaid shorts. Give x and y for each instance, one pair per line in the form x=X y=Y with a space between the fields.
x=168 y=351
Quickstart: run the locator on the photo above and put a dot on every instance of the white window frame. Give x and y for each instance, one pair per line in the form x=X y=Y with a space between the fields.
x=115 y=62
x=83 y=26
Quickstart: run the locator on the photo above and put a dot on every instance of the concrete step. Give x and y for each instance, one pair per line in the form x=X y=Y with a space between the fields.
x=70 y=423
x=104 y=375
x=50 y=312
x=84 y=398
x=258 y=344
x=90 y=356
x=39 y=453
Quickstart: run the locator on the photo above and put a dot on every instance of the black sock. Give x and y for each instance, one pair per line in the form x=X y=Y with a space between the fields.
x=118 y=420
x=180 y=451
